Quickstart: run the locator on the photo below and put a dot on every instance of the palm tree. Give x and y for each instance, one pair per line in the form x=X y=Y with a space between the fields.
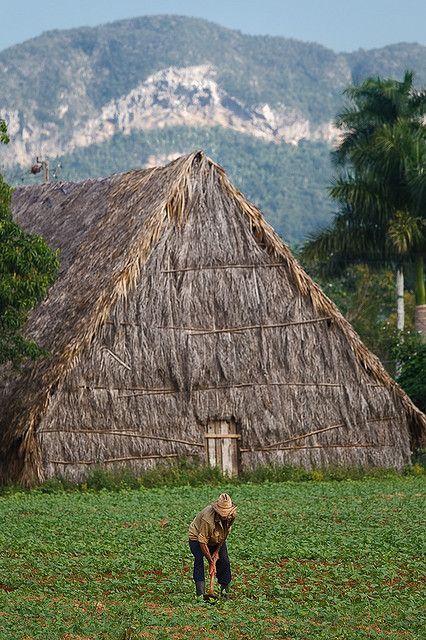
x=381 y=184
x=401 y=153
x=374 y=103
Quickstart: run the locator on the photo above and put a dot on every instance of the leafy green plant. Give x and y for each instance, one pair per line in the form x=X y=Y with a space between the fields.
x=187 y=473
x=410 y=351
x=27 y=268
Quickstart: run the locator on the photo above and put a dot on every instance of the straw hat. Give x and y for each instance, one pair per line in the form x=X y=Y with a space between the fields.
x=224 y=506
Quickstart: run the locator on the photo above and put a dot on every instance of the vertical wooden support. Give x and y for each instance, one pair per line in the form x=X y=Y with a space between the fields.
x=222 y=446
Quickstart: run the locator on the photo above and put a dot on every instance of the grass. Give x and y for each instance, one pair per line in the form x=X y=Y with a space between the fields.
x=324 y=560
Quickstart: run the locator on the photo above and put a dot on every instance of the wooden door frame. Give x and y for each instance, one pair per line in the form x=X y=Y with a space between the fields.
x=211 y=438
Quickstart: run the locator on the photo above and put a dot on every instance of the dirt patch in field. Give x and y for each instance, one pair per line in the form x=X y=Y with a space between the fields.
x=382 y=632
x=153 y=572
x=71 y=636
x=77 y=578
x=185 y=632
x=47 y=580
x=155 y=606
x=402 y=580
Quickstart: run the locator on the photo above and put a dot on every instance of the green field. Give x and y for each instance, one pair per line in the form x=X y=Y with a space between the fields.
x=321 y=560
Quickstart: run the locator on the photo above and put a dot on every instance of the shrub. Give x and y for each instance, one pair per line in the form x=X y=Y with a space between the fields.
x=410 y=351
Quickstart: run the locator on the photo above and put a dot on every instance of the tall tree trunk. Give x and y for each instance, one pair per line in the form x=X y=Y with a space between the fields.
x=420 y=313
x=400 y=311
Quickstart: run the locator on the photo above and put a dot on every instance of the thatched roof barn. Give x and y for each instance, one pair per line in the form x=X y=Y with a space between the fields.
x=181 y=325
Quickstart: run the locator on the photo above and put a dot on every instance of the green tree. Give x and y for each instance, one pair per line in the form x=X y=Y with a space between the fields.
x=27 y=268
x=410 y=351
x=366 y=297
x=381 y=183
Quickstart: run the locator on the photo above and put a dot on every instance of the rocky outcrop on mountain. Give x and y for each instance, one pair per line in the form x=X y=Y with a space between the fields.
x=192 y=97
x=188 y=96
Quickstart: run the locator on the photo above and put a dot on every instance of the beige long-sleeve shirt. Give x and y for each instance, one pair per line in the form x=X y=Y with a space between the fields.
x=208 y=528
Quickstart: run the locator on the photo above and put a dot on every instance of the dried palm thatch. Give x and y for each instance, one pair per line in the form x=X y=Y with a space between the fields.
x=177 y=306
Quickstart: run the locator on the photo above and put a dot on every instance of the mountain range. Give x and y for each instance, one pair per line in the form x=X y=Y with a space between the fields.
x=140 y=92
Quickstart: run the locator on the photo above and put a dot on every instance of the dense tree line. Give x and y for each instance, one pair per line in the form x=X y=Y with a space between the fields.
x=27 y=268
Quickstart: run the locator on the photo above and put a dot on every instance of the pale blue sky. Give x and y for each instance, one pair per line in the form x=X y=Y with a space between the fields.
x=343 y=25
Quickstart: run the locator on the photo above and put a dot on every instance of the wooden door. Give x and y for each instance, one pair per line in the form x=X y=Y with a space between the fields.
x=222 y=446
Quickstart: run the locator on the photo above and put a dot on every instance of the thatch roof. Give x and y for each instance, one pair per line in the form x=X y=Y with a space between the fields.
x=106 y=230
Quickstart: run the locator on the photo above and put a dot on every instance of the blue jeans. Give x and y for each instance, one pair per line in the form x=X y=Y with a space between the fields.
x=223 y=567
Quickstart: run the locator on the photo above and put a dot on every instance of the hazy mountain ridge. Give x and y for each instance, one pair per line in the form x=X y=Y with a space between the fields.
x=67 y=89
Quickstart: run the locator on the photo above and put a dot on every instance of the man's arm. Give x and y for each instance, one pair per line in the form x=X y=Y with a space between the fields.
x=204 y=548
x=203 y=538
x=215 y=556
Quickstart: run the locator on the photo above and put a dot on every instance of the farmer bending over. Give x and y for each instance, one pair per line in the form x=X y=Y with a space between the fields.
x=207 y=534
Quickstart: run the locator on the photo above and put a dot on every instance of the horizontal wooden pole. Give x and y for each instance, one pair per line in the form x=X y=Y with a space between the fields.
x=160 y=390
x=140 y=391
x=100 y=462
x=138 y=394
x=225 y=266
x=200 y=332
x=272 y=384
x=220 y=436
x=128 y=434
x=371 y=445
